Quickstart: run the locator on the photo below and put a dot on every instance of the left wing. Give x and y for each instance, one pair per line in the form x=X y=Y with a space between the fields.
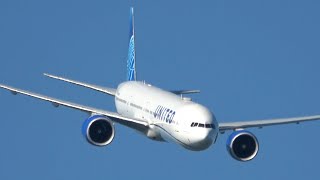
x=56 y=102
x=261 y=123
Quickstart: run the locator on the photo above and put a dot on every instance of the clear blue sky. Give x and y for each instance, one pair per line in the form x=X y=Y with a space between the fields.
x=251 y=59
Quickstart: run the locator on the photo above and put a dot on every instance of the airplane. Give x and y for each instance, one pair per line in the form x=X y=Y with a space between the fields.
x=161 y=115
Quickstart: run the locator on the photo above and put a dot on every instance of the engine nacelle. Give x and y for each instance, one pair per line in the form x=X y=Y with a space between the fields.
x=242 y=145
x=98 y=130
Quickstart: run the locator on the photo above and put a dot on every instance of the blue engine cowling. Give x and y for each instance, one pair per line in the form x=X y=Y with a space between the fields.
x=242 y=145
x=98 y=130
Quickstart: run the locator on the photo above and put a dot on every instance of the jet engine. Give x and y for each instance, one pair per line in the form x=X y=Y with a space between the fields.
x=242 y=145
x=98 y=130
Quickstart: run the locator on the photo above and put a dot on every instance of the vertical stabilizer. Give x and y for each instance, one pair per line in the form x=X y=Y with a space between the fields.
x=131 y=61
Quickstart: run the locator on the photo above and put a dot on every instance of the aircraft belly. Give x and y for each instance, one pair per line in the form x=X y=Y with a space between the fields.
x=169 y=134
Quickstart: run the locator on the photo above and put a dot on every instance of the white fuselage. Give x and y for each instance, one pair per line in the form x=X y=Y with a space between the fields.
x=169 y=117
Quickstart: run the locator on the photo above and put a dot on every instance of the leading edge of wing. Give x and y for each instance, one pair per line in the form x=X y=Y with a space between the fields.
x=106 y=90
x=114 y=116
x=261 y=123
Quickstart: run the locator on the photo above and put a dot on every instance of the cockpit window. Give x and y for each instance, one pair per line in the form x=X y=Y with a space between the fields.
x=208 y=125
x=194 y=124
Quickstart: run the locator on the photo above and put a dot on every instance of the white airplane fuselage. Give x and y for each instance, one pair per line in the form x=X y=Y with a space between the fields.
x=169 y=117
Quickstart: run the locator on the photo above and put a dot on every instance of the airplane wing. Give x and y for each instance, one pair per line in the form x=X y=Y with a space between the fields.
x=261 y=123
x=109 y=91
x=56 y=102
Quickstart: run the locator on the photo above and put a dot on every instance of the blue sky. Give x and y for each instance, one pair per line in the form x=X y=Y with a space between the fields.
x=251 y=59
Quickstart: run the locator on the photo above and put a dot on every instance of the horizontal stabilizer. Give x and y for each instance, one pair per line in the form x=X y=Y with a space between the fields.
x=178 y=92
x=109 y=91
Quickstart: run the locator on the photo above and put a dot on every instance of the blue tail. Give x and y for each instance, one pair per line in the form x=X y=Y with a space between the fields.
x=131 y=62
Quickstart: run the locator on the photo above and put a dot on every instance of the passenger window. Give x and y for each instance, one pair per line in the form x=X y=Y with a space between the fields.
x=201 y=125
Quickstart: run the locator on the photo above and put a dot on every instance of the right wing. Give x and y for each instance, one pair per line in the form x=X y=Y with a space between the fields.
x=261 y=123
x=130 y=122
x=109 y=91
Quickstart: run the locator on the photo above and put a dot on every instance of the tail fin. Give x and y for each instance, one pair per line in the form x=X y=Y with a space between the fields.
x=131 y=61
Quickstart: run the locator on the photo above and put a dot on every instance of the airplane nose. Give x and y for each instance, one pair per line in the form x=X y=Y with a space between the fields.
x=203 y=139
x=204 y=134
x=207 y=135
x=200 y=126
